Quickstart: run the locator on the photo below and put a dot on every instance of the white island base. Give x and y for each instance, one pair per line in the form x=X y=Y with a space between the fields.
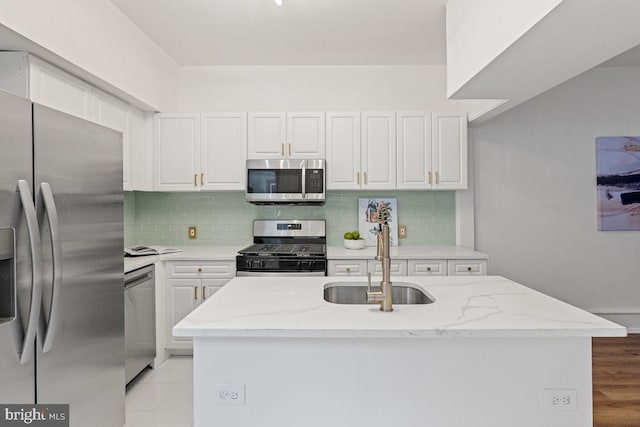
x=488 y=352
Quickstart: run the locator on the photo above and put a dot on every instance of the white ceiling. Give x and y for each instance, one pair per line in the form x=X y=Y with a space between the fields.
x=300 y=32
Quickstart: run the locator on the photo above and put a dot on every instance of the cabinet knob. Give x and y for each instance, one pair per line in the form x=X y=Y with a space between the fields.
x=429 y=269
x=199 y=270
x=468 y=268
x=348 y=270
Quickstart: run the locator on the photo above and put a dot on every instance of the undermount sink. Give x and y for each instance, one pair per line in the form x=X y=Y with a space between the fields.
x=356 y=293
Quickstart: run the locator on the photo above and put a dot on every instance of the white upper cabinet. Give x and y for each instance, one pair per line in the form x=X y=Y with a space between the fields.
x=432 y=151
x=114 y=114
x=274 y=135
x=197 y=152
x=343 y=151
x=223 y=151
x=177 y=150
x=449 y=151
x=361 y=151
x=305 y=135
x=57 y=89
x=379 y=150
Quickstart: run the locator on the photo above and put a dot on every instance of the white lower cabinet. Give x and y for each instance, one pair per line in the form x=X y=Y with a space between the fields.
x=427 y=267
x=467 y=267
x=411 y=267
x=347 y=267
x=189 y=284
x=398 y=267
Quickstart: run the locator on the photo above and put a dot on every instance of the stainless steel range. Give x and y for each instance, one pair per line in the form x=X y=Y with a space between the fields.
x=285 y=247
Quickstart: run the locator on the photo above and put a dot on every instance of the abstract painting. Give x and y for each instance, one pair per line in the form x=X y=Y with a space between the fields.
x=618 y=170
x=368 y=219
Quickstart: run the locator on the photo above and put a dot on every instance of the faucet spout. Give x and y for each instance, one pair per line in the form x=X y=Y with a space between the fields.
x=384 y=295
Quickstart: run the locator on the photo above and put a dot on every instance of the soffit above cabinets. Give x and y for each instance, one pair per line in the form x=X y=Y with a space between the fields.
x=300 y=32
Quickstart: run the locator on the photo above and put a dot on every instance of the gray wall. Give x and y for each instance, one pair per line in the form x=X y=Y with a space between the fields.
x=535 y=193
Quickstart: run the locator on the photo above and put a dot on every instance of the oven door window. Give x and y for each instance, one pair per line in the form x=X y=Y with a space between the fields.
x=272 y=181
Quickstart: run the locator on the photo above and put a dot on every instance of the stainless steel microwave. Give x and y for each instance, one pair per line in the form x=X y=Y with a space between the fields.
x=285 y=181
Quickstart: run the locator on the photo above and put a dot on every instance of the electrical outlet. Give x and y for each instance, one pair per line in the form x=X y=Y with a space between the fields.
x=193 y=232
x=228 y=394
x=560 y=399
x=402 y=231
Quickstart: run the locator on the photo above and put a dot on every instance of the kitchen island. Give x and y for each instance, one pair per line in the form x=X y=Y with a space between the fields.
x=487 y=352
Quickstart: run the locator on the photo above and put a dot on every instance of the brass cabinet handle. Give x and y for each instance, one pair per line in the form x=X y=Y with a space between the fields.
x=289 y=148
x=282 y=149
x=195 y=292
x=437 y=178
x=365 y=178
x=195 y=180
x=430 y=178
x=201 y=179
x=204 y=290
x=358 y=177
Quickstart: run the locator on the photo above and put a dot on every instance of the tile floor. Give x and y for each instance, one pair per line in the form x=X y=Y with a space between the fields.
x=162 y=397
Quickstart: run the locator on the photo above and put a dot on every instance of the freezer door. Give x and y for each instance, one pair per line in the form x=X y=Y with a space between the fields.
x=17 y=382
x=82 y=362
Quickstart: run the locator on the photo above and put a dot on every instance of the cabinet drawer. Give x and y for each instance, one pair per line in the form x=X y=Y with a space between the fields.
x=355 y=267
x=430 y=267
x=465 y=267
x=204 y=269
x=398 y=267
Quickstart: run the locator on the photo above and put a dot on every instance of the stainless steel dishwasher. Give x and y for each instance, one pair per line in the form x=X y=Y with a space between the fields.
x=139 y=320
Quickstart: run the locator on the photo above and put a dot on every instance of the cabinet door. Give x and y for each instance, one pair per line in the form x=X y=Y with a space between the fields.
x=305 y=136
x=343 y=151
x=56 y=89
x=450 y=151
x=398 y=267
x=351 y=267
x=140 y=151
x=414 y=150
x=267 y=135
x=379 y=151
x=177 y=150
x=210 y=287
x=115 y=115
x=430 y=267
x=183 y=296
x=467 y=267
x=223 y=151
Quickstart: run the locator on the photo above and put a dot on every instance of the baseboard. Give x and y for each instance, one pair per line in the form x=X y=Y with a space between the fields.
x=631 y=321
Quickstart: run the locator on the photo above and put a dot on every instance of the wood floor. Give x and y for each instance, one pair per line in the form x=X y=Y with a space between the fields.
x=616 y=381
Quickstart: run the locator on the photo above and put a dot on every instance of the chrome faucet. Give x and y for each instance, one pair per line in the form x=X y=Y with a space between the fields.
x=383 y=296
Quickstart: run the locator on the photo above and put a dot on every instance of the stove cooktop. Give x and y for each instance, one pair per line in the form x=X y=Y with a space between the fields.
x=288 y=249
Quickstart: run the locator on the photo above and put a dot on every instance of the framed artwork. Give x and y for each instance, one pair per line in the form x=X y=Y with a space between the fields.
x=618 y=171
x=367 y=219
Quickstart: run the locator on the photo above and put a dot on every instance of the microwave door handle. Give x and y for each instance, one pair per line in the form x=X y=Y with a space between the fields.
x=304 y=180
x=33 y=230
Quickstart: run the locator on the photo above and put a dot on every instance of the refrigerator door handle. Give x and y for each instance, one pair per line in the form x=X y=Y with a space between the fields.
x=56 y=256
x=33 y=230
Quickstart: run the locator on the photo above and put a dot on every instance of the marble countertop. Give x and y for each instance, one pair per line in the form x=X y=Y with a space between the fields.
x=191 y=253
x=228 y=253
x=465 y=306
x=407 y=252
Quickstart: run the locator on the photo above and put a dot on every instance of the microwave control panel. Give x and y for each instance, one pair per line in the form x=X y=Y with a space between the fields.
x=314 y=181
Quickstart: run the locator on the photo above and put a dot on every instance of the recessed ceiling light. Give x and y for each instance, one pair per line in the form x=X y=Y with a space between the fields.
x=278 y=2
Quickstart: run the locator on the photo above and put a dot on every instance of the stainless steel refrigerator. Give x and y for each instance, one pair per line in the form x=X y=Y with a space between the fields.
x=61 y=263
